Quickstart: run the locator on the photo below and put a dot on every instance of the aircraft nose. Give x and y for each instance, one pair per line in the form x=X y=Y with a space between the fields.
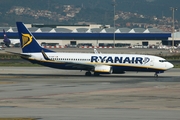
x=170 y=65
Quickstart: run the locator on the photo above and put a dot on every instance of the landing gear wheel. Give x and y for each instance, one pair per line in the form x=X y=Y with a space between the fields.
x=96 y=74
x=88 y=74
x=156 y=76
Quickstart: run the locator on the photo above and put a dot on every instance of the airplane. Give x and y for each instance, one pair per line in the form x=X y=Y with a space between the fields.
x=89 y=62
x=8 y=41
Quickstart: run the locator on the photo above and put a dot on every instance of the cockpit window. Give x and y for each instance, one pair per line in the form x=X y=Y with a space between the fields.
x=162 y=60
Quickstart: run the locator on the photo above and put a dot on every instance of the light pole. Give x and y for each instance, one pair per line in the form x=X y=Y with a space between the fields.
x=114 y=4
x=173 y=9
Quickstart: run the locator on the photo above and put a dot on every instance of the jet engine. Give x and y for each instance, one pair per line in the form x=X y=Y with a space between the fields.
x=103 y=69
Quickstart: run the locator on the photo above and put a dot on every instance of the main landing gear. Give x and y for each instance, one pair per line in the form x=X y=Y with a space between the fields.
x=90 y=74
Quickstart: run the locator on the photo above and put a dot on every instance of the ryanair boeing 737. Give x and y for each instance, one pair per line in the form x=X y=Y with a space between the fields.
x=89 y=62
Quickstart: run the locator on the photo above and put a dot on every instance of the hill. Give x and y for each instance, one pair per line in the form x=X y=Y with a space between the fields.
x=84 y=11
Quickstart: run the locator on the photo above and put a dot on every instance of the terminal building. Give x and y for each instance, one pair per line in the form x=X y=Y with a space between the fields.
x=94 y=35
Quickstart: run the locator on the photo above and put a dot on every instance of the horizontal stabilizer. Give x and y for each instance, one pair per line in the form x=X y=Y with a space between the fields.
x=19 y=54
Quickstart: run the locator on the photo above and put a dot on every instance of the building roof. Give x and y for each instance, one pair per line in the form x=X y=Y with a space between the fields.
x=62 y=30
x=86 y=30
x=92 y=33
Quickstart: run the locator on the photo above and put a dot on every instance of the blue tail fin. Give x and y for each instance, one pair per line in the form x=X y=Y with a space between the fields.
x=6 y=41
x=28 y=41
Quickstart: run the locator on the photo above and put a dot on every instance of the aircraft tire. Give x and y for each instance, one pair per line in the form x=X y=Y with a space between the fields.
x=88 y=74
x=96 y=74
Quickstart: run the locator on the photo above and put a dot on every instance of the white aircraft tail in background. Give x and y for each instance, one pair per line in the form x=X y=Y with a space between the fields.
x=8 y=41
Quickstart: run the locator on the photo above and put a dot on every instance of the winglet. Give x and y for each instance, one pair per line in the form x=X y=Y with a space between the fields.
x=95 y=51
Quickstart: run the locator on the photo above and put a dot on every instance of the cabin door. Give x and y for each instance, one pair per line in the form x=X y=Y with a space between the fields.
x=151 y=62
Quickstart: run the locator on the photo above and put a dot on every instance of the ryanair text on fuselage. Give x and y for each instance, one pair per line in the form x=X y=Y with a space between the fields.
x=116 y=59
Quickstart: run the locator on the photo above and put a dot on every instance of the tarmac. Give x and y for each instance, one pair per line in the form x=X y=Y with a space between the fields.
x=53 y=94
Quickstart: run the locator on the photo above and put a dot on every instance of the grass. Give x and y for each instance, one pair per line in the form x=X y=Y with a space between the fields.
x=19 y=65
x=176 y=65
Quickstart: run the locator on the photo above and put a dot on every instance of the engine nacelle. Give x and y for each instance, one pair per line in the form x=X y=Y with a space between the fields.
x=103 y=69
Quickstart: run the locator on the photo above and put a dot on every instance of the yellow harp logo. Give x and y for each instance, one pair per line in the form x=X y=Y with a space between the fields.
x=26 y=40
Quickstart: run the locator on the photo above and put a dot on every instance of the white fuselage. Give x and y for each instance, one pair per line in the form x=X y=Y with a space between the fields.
x=125 y=62
x=14 y=41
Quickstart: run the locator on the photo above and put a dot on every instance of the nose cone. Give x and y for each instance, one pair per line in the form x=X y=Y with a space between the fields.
x=169 y=65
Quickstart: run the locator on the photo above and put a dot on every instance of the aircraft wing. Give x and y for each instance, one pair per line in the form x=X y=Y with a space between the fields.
x=73 y=64
x=85 y=66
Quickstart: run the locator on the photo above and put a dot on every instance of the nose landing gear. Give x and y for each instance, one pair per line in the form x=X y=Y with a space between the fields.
x=158 y=72
x=156 y=75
